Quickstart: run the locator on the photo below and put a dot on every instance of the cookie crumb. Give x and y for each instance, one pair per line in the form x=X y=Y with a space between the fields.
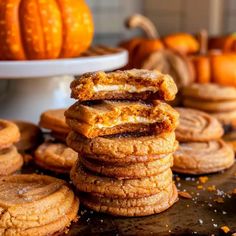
x=225 y=229
x=199 y=187
x=203 y=179
x=219 y=200
x=234 y=191
x=211 y=188
x=185 y=195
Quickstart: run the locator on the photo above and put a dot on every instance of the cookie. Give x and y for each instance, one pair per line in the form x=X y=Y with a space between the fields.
x=197 y=126
x=86 y=181
x=55 y=157
x=30 y=136
x=230 y=139
x=54 y=120
x=210 y=106
x=9 y=134
x=226 y=118
x=123 y=146
x=203 y=157
x=114 y=117
x=129 y=171
x=209 y=92
x=35 y=205
x=10 y=161
x=130 y=84
x=132 y=207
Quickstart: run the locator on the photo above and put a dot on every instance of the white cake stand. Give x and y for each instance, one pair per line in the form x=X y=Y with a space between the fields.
x=29 y=87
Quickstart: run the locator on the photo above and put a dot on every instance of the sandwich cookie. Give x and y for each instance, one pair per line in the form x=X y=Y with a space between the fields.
x=129 y=171
x=203 y=157
x=123 y=147
x=55 y=157
x=130 y=84
x=10 y=161
x=36 y=205
x=134 y=206
x=113 y=117
x=197 y=126
x=9 y=134
x=86 y=181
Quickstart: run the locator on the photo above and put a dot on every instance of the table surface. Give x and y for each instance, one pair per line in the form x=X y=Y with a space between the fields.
x=201 y=215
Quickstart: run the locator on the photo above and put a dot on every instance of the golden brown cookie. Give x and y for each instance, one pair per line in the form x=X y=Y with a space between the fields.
x=130 y=84
x=129 y=171
x=35 y=205
x=30 y=136
x=203 y=157
x=210 y=106
x=9 y=134
x=230 y=138
x=10 y=161
x=114 y=117
x=55 y=157
x=86 y=181
x=122 y=146
x=54 y=120
x=226 y=118
x=195 y=125
x=209 y=92
x=134 y=206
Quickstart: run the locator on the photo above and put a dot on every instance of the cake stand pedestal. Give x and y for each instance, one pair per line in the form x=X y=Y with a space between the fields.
x=27 y=88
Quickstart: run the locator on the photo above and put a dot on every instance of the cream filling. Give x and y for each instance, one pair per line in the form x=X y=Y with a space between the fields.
x=130 y=119
x=123 y=87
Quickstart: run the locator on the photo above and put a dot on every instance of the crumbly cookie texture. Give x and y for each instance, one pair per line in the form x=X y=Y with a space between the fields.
x=114 y=117
x=203 y=157
x=25 y=198
x=195 y=125
x=130 y=84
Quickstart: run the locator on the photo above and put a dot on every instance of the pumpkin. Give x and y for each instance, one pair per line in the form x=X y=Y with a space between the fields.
x=225 y=43
x=45 y=29
x=213 y=65
x=141 y=48
x=182 y=42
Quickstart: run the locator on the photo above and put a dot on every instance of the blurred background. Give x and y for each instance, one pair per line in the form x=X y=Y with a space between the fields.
x=169 y=16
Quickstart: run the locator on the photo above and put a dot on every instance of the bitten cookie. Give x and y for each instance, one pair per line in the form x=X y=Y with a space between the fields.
x=195 y=125
x=203 y=157
x=9 y=134
x=114 y=117
x=55 y=157
x=35 y=205
x=130 y=85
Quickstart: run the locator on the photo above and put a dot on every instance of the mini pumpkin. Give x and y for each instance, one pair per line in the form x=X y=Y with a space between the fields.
x=46 y=29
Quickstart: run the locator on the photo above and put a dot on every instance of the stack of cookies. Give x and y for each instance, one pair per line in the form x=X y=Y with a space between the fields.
x=125 y=139
x=10 y=159
x=201 y=148
x=55 y=155
x=215 y=99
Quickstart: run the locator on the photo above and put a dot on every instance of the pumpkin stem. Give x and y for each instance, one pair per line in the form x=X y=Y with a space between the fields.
x=203 y=41
x=140 y=21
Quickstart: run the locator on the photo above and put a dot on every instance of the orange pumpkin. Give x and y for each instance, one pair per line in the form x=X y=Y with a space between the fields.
x=46 y=29
x=181 y=42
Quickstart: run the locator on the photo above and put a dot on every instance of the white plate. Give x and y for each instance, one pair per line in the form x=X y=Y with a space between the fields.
x=51 y=68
